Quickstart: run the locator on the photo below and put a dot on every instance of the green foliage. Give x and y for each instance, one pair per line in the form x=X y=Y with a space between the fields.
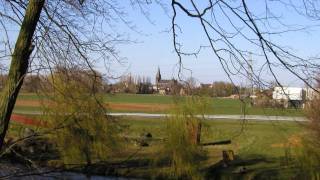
x=310 y=153
x=309 y=158
x=181 y=147
x=83 y=133
x=218 y=89
x=217 y=105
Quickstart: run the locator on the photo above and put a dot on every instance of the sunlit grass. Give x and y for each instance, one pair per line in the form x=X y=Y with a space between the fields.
x=217 y=105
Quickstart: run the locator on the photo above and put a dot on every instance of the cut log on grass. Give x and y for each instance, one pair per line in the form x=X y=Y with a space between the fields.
x=227 y=155
x=217 y=143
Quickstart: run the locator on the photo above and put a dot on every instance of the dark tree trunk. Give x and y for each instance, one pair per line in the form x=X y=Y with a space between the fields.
x=19 y=64
x=194 y=129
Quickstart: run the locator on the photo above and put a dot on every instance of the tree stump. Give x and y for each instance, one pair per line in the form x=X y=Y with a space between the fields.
x=195 y=131
x=227 y=156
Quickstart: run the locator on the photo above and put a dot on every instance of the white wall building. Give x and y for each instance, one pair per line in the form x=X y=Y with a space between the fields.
x=293 y=96
x=288 y=93
x=289 y=96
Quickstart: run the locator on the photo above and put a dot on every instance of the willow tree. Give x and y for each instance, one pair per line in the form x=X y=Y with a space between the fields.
x=55 y=33
x=83 y=134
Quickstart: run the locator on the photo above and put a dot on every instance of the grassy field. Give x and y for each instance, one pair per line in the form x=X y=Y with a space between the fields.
x=259 y=146
x=161 y=104
x=265 y=138
x=248 y=138
x=264 y=148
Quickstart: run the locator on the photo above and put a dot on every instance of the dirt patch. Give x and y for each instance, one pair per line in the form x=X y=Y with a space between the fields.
x=293 y=141
x=139 y=107
x=30 y=103
x=143 y=107
x=27 y=121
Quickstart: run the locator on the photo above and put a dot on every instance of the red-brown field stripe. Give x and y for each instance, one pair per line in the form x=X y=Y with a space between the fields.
x=27 y=121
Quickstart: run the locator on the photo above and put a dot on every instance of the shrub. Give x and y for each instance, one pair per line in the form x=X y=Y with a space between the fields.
x=310 y=154
x=181 y=147
x=82 y=132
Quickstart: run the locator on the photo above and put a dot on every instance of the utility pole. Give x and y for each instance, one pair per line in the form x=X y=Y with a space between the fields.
x=250 y=75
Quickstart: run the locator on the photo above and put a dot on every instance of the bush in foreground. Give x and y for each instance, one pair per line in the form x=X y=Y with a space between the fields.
x=182 y=144
x=81 y=130
x=310 y=154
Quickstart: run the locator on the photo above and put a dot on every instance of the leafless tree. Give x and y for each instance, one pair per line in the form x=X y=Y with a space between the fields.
x=234 y=30
x=66 y=33
x=80 y=32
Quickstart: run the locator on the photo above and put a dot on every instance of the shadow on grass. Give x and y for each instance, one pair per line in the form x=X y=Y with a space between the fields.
x=256 y=167
x=252 y=167
x=248 y=168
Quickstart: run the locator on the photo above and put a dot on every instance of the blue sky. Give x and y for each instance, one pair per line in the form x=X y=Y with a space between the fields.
x=154 y=45
x=155 y=49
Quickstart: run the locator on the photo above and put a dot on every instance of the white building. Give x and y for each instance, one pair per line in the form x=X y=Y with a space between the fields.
x=294 y=96
x=288 y=93
x=289 y=96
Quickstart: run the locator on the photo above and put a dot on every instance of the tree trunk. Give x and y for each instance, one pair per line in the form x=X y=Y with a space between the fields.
x=194 y=129
x=19 y=64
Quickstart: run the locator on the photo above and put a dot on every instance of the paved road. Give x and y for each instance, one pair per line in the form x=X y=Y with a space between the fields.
x=210 y=117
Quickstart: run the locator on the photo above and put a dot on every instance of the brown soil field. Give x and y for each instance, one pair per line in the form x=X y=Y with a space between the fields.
x=26 y=120
x=30 y=103
x=139 y=107
x=113 y=106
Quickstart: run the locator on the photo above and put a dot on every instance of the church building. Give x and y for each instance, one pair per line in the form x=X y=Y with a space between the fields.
x=164 y=86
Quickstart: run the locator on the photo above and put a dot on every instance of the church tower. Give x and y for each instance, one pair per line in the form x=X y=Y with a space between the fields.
x=158 y=76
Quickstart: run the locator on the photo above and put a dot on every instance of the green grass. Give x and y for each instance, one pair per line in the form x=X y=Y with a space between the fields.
x=26 y=109
x=249 y=138
x=254 y=138
x=256 y=144
x=30 y=96
x=218 y=105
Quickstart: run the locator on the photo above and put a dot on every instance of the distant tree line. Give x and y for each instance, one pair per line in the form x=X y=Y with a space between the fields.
x=218 y=89
x=126 y=84
x=34 y=83
x=131 y=84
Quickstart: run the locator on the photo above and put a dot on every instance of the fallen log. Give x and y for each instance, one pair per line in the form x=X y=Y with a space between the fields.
x=216 y=143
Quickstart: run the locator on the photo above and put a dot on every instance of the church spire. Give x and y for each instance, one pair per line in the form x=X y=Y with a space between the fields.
x=158 y=76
